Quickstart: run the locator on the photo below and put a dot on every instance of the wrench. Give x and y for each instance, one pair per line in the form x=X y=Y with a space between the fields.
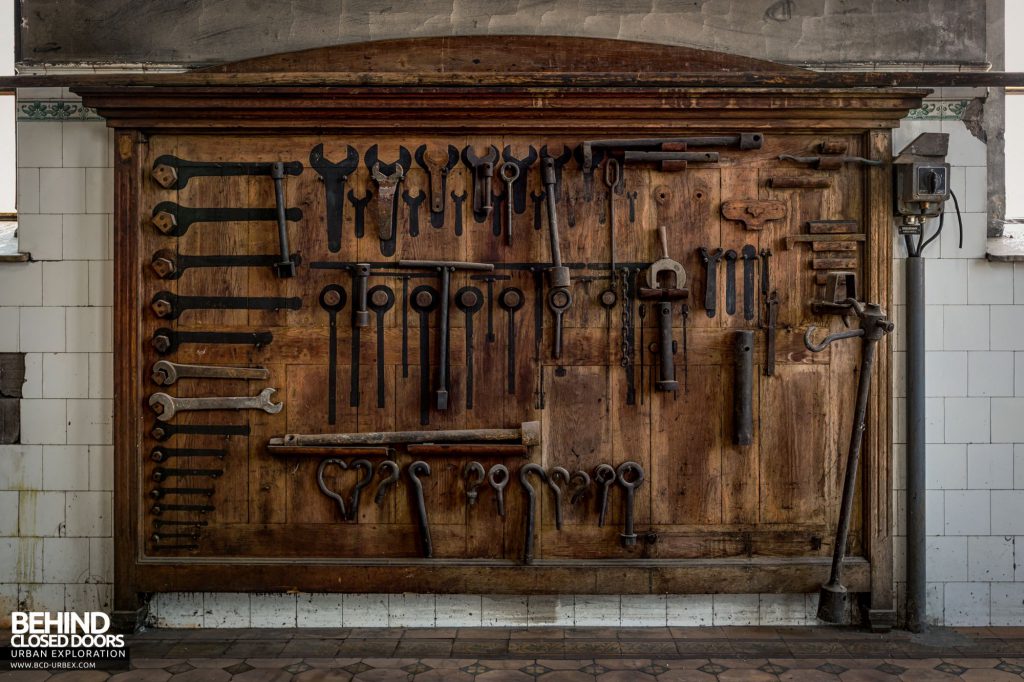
x=437 y=166
x=628 y=535
x=518 y=197
x=413 y=202
x=161 y=473
x=170 y=172
x=388 y=178
x=482 y=169
x=381 y=300
x=511 y=299
x=162 y=432
x=174 y=220
x=458 y=200
x=710 y=260
x=167 y=406
x=360 y=208
x=166 y=340
x=170 y=306
x=469 y=300
x=165 y=373
x=334 y=176
x=170 y=265
x=730 y=281
x=558 y=162
x=497 y=478
x=162 y=454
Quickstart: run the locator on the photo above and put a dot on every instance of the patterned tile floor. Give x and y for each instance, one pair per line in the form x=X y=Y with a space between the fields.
x=569 y=654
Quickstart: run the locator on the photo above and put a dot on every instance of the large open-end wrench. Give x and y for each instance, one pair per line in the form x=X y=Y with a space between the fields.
x=558 y=161
x=388 y=177
x=482 y=169
x=437 y=165
x=165 y=373
x=170 y=265
x=166 y=406
x=334 y=176
x=171 y=172
x=174 y=220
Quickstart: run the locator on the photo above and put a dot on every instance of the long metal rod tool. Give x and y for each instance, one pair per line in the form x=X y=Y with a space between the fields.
x=528 y=433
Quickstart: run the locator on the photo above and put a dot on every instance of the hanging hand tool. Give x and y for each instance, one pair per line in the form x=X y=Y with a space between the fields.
x=174 y=220
x=482 y=170
x=334 y=177
x=630 y=476
x=388 y=177
x=437 y=166
x=166 y=340
x=367 y=469
x=632 y=205
x=559 y=301
x=360 y=319
x=381 y=300
x=710 y=261
x=829 y=162
x=163 y=431
x=497 y=221
x=167 y=406
x=158 y=509
x=743 y=388
x=332 y=300
x=162 y=454
x=765 y=255
x=161 y=493
x=509 y=173
x=165 y=373
x=497 y=478
x=604 y=476
x=163 y=473
x=558 y=273
x=518 y=196
x=170 y=265
x=612 y=174
x=531 y=503
x=628 y=352
x=170 y=172
x=754 y=214
x=772 y=303
x=445 y=268
x=338 y=499
x=473 y=476
x=285 y=268
x=413 y=202
x=458 y=200
x=642 y=314
x=511 y=299
x=579 y=486
x=588 y=159
x=162 y=523
x=469 y=300
x=558 y=479
x=666 y=283
x=489 y=280
x=424 y=301
x=730 y=281
x=528 y=434
x=392 y=471
x=360 y=207
x=415 y=471
x=749 y=257
x=559 y=161
x=832 y=600
x=170 y=306
x=538 y=201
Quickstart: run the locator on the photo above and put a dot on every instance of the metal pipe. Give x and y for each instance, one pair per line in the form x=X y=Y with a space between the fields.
x=916 y=531
x=528 y=433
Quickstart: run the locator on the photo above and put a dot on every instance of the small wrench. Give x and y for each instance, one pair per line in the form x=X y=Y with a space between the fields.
x=167 y=406
x=165 y=373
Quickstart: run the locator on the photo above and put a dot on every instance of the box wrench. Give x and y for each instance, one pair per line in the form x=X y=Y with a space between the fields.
x=630 y=475
x=511 y=299
x=174 y=220
x=167 y=406
x=170 y=172
x=332 y=300
x=166 y=340
x=170 y=265
x=169 y=306
x=381 y=300
x=445 y=269
x=424 y=301
x=165 y=372
x=469 y=300
x=334 y=176
x=497 y=478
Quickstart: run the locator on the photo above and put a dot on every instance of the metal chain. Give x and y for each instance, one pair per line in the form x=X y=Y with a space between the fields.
x=627 y=319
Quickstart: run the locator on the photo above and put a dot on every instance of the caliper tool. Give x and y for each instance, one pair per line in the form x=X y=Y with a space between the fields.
x=332 y=300
x=415 y=471
x=531 y=503
x=166 y=340
x=445 y=268
x=437 y=166
x=170 y=172
x=167 y=406
x=334 y=176
x=832 y=600
x=381 y=300
x=388 y=177
x=170 y=265
x=165 y=373
x=174 y=220
x=469 y=300
x=666 y=284
x=482 y=170
x=170 y=306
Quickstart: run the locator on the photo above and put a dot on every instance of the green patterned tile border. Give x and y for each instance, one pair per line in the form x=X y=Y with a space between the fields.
x=940 y=110
x=42 y=110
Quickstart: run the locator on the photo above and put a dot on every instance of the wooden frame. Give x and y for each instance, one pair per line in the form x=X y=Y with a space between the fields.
x=579 y=103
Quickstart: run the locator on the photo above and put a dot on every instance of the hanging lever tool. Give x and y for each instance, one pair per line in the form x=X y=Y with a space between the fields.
x=666 y=283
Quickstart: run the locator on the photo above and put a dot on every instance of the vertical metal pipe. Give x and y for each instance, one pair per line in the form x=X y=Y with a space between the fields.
x=743 y=388
x=916 y=531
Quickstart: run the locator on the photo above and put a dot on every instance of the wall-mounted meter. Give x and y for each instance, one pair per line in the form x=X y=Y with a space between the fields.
x=921 y=181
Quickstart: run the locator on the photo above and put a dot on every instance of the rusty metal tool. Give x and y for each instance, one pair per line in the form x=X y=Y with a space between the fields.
x=163 y=473
x=511 y=299
x=162 y=523
x=559 y=300
x=389 y=177
x=334 y=176
x=509 y=174
x=437 y=165
x=772 y=303
x=170 y=306
x=766 y=255
x=367 y=469
x=518 y=196
x=631 y=196
x=874 y=325
x=538 y=202
x=458 y=200
x=558 y=274
x=165 y=373
x=710 y=260
x=469 y=300
x=414 y=203
x=749 y=256
x=730 y=257
x=415 y=471
x=166 y=340
x=604 y=476
x=170 y=172
x=338 y=499
x=170 y=265
x=531 y=503
x=381 y=300
x=630 y=475
x=579 y=486
x=425 y=301
x=160 y=493
x=558 y=479
x=162 y=454
x=390 y=471
x=359 y=205
x=482 y=171
x=527 y=433
x=497 y=222
x=167 y=406
x=666 y=284
x=284 y=268
x=332 y=300
x=559 y=160
x=158 y=509
x=473 y=476
x=743 y=388
x=162 y=431
x=445 y=269
x=489 y=280
x=497 y=478
x=174 y=220
x=829 y=162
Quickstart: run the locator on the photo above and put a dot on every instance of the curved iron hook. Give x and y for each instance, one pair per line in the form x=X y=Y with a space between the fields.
x=415 y=470
x=353 y=512
x=558 y=473
x=392 y=478
x=473 y=483
x=531 y=499
x=323 y=486
x=582 y=486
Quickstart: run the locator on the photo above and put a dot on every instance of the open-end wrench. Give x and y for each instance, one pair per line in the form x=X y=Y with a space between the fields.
x=511 y=299
x=390 y=471
x=170 y=306
x=437 y=166
x=334 y=176
x=174 y=220
x=458 y=200
x=482 y=170
x=469 y=300
x=424 y=300
x=338 y=499
x=710 y=260
x=630 y=476
x=559 y=159
x=588 y=159
x=604 y=476
x=170 y=265
x=414 y=202
x=388 y=177
x=538 y=208
x=359 y=205
x=170 y=172
x=415 y=471
x=162 y=431
x=165 y=373
x=332 y=300
x=473 y=476
x=167 y=406
x=162 y=454
x=166 y=340
x=558 y=481
x=380 y=300
x=531 y=503
x=497 y=478
x=367 y=469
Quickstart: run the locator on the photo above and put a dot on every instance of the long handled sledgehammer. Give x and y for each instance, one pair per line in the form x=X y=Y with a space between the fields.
x=832 y=601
